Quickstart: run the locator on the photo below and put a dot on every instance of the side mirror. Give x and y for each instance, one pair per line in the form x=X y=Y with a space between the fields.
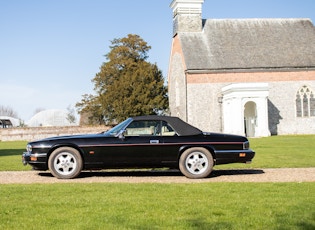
x=121 y=134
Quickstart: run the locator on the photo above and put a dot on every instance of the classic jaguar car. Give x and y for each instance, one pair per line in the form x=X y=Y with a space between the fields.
x=139 y=142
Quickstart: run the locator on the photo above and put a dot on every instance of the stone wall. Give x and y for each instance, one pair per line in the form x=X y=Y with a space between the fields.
x=36 y=133
x=204 y=91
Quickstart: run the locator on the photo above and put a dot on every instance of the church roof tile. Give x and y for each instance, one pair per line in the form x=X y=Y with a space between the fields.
x=250 y=44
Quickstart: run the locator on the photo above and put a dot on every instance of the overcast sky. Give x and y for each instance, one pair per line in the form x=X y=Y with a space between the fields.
x=51 y=49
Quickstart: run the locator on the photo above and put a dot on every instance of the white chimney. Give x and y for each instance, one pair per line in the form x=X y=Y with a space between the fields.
x=187 y=15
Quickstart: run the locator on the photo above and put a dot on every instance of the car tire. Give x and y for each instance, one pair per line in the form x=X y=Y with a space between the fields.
x=196 y=163
x=65 y=163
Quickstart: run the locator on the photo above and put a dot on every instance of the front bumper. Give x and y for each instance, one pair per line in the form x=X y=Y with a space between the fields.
x=26 y=157
x=36 y=160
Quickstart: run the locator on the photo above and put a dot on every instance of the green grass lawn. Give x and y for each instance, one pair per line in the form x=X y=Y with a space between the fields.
x=11 y=155
x=271 y=152
x=292 y=151
x=284 y=151
x=158 y=206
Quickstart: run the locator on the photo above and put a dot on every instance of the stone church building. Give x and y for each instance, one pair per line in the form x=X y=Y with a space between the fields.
x=254 y=77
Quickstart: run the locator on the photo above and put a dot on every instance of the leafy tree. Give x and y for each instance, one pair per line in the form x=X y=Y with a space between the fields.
x=127 y=85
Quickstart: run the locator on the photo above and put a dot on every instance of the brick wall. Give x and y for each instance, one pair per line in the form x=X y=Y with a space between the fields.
x=31 y=134
x=251 y=77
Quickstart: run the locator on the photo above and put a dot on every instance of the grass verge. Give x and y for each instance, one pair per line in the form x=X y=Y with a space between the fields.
x=11 y=155
x=158 y=206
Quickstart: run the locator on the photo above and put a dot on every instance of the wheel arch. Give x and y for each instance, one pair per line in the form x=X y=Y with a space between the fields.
x=70 y=145
x=210 y=148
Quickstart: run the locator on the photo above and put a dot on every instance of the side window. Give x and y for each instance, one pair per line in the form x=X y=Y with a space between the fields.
x=305 y=102
x=142 y=128
x=149 y=128
x=167 y=130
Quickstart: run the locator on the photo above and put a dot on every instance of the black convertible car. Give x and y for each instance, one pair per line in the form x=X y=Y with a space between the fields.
x=139 y=142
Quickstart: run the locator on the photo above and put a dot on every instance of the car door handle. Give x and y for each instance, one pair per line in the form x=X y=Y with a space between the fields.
x=154 y=141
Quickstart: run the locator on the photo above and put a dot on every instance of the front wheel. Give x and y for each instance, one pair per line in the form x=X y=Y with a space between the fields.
x=196 y=163
x=65 y=163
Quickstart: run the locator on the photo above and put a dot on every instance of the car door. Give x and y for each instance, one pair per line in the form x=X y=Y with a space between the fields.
x=150 y=144
x=140 y=146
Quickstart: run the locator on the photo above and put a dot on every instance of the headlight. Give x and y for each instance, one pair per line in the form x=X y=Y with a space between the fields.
x=246 y=145
x=28 y=148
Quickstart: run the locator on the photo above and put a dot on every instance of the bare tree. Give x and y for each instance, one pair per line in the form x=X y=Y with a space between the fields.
x=7 y=111
x=70 y=116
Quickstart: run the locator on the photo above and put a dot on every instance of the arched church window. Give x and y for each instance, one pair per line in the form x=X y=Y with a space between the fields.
x=305 y=102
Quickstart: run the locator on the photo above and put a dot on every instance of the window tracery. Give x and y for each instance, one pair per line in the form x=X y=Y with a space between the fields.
x=305 y=102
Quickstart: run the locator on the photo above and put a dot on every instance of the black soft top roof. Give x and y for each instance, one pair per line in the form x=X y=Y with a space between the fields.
x=182 y=128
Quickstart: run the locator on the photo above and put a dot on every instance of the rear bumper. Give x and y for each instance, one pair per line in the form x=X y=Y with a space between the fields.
x=234 y=156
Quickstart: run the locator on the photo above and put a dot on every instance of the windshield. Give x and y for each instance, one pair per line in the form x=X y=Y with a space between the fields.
x=115 y=130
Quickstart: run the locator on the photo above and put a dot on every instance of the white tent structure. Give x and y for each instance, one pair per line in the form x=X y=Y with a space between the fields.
x=51 y=117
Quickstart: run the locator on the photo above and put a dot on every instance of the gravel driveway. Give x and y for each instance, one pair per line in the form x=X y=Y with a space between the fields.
x=168 y=176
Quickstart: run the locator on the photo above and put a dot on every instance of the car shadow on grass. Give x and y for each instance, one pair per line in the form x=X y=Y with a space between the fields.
x=158 y=173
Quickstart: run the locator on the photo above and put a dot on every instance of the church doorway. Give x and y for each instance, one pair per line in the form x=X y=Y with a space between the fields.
x=245 y=109
x=250 y=118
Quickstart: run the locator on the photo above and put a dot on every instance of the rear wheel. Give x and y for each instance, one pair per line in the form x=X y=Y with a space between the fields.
x=196 y=163
x=65 y=163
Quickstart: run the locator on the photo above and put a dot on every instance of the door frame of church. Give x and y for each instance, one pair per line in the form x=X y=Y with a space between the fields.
x=250 y=118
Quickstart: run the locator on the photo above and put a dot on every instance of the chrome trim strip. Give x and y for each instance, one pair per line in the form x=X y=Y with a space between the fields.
x=173 y=143
x=38 y=154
